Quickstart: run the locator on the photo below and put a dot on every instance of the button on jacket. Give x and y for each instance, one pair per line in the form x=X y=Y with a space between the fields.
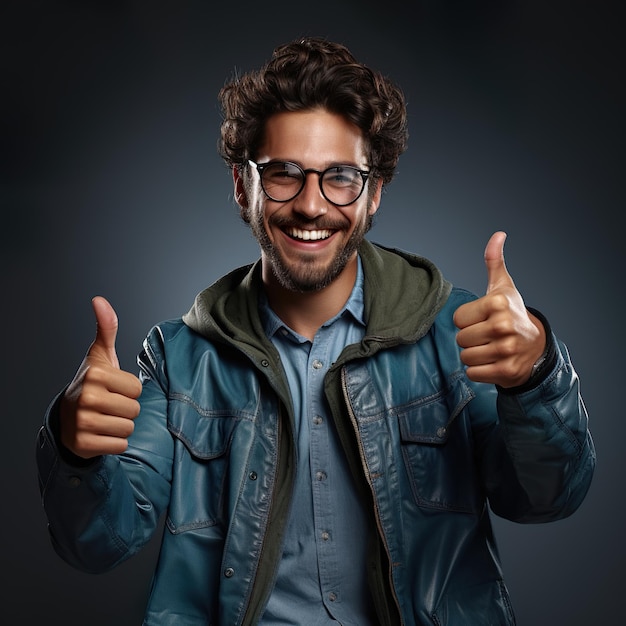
x=433 y=454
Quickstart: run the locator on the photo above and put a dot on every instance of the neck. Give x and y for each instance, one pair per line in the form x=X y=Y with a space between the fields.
x=306 y=312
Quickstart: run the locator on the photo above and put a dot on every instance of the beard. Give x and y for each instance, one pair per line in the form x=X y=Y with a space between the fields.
x=306 y=275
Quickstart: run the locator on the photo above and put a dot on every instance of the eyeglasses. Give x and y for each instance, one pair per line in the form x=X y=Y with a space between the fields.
x=283 y=181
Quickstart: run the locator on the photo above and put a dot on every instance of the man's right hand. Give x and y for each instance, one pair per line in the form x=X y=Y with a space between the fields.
x=98 y=409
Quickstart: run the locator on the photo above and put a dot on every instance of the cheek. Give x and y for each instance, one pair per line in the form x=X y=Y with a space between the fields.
x=266 y=211
x=259 y=217
x=359 y=217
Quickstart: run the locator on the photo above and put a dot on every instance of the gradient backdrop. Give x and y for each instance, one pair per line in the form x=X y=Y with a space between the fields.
x=111 y=185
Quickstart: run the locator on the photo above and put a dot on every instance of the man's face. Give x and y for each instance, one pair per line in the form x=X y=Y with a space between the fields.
x=307 y=242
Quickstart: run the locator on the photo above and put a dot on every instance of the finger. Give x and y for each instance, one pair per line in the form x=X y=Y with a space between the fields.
x=106 y=329
x=497 y=275
x=96 y=423
x=470 y=313
x=471 y=334
x=119 y=405
x=110 y=391
x=89 y=445
x=469 y=317
x=105 y=381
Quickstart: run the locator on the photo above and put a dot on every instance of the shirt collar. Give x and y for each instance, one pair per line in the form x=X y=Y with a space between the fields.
x=355 y=306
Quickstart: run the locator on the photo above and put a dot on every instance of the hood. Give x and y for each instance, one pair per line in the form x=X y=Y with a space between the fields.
x=403 y=294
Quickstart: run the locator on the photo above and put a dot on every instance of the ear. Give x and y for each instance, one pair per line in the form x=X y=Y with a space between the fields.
x=376 y=196
x=241 y=197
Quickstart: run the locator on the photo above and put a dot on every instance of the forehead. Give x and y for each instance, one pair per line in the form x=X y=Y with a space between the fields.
x=314 y=138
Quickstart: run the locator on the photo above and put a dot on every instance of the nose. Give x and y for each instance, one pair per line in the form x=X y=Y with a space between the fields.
x=310 y=202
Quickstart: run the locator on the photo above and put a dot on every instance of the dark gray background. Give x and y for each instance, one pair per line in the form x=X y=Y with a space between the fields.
x=111 y=185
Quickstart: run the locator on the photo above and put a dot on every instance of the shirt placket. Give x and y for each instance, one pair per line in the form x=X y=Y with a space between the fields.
x=321 y=467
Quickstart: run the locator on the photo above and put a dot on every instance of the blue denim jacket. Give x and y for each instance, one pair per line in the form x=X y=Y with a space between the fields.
x=434 y=454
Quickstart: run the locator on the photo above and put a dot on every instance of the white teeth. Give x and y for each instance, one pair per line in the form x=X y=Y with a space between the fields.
x=309 y=235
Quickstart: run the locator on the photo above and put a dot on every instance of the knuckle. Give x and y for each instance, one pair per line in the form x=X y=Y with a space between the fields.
x=502 y=326
x=507 y=348
x=85 y=422
x=96 y=374
x=87 y=399
x=498 y=302
x=508 y=371
x=81 y=444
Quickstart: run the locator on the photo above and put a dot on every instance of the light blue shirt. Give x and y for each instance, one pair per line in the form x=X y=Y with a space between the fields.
x=322 y=574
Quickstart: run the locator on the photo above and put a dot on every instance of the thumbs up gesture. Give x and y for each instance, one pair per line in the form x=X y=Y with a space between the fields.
x=501 y=339
x=100 y=404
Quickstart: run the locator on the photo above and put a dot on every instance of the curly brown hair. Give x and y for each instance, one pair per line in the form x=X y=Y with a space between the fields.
x=309 y=73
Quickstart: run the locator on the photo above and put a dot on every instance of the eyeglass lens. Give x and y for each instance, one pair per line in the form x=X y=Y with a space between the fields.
x=340 y=184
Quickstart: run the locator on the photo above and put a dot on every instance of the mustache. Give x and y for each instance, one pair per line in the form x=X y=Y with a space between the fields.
x=317 y=223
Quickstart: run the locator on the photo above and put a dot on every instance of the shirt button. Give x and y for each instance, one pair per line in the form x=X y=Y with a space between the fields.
x=325 y=535
x=320 y=475
x=317 y=420
x=74 y=481
x=229 y=572
x=332 y=596
x=317 y=364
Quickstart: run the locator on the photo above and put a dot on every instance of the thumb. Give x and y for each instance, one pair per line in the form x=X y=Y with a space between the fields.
x=497 y=275
x=106 y=330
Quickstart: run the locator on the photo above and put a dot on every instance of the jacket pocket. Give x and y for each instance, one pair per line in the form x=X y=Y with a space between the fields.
x=437 y=449
x=199 y=474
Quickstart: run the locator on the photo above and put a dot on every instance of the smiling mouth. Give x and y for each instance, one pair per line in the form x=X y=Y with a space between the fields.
x=308 y=235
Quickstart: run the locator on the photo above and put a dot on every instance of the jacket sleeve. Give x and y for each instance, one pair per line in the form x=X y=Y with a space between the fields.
x=103 y=511
x=539 y=459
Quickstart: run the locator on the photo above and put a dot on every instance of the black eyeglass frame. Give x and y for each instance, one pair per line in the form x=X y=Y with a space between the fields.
x=310 y=170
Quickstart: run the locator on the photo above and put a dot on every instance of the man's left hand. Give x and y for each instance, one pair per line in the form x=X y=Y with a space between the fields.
x=501 y=339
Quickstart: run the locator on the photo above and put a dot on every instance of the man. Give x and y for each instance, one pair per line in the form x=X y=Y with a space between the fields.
x=325 y=429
